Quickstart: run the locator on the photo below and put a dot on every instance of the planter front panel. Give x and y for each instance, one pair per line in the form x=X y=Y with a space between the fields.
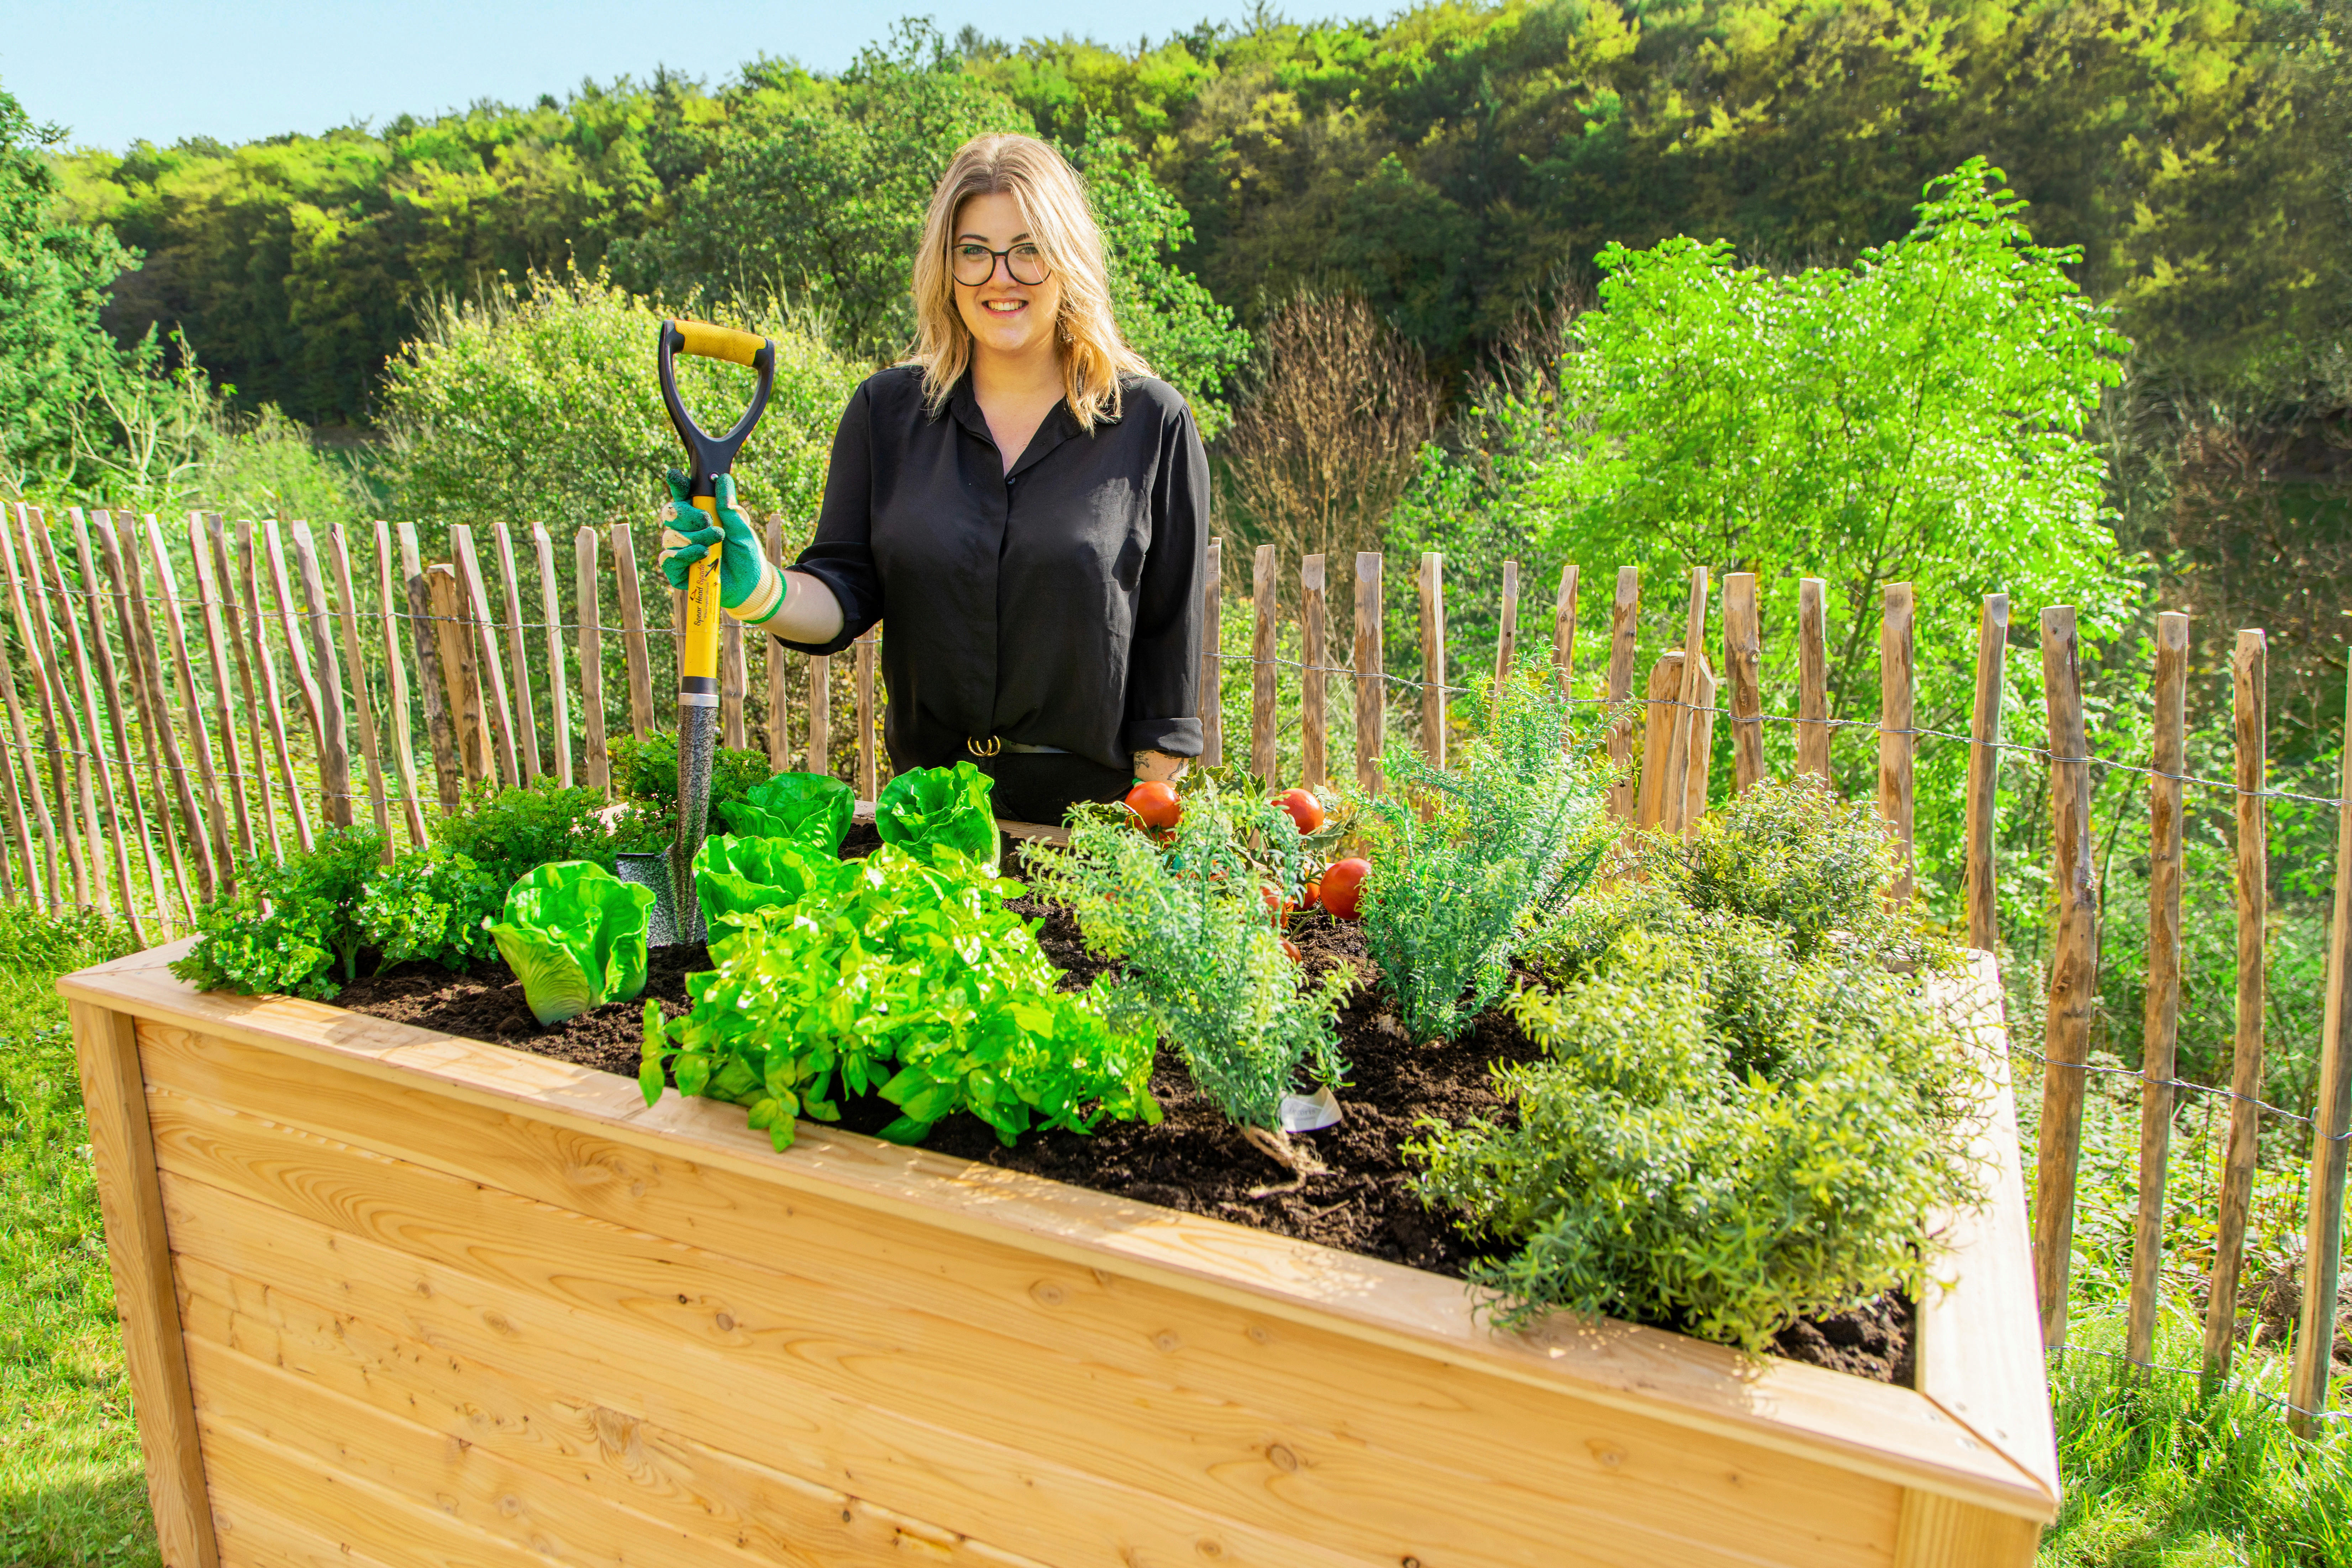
x=479 y=1308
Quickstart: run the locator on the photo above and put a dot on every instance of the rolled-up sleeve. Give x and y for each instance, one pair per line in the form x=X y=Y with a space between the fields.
x=1163 y=681
x=841 y=556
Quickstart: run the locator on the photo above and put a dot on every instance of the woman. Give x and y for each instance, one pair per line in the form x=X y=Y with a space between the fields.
x=1022 y=502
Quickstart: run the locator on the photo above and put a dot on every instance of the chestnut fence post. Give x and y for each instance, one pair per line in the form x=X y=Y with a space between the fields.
x=632 y=634
x=396 y=672
x=1430 y=586
x=1262 y=652
x=1624 y=631
x=2160 y=1022
x=1371 y=707
x=1314 y=701
x=594 y=761
x=272 y=698
x=1563 y=627
x=1213 y=685
x=1896 y=743
x=526 y=721
x=1506 y=636
x=559 y=698
x=1743 y=662
x=2066 y=1036
x=2248 y=711
x=2322 y=1234
x=1812 y=679
x=773 y=659
x=1984 y=763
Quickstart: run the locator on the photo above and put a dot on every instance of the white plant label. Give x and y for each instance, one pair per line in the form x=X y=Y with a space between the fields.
x=1308 y=1113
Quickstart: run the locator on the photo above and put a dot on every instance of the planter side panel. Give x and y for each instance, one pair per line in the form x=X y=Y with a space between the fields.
x=561 y=1345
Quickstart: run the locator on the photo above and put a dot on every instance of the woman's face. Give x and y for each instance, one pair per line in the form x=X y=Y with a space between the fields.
x=1004 y=314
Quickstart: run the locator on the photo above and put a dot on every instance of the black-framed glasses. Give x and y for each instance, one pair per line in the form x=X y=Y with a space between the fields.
x=975 y=264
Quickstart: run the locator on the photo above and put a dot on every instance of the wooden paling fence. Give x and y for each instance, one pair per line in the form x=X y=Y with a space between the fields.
x=144 y=757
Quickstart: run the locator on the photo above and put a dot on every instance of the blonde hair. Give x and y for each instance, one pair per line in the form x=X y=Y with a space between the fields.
x=1054 y=205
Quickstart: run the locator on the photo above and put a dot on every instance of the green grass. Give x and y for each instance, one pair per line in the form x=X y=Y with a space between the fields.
x=71 y=1488
x=2161 y=1474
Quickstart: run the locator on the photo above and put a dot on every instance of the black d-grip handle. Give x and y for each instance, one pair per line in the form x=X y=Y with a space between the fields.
x=708 y=455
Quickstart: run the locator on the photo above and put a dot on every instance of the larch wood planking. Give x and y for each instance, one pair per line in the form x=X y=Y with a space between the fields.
x=986 y=1365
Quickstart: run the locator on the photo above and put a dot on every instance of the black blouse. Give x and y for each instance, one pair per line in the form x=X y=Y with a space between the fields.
x=1057 y=605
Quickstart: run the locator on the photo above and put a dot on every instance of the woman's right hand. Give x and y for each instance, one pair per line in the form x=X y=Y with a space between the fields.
x=792 y=604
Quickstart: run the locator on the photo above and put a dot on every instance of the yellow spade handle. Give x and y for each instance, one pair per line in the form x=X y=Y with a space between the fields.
x=699 y=656
x=719 y=342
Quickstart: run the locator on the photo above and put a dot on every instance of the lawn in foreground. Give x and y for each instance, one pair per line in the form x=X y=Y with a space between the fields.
x=71 y=1488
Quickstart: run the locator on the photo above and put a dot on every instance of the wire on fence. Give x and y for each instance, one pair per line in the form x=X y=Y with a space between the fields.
x=2060 y=1354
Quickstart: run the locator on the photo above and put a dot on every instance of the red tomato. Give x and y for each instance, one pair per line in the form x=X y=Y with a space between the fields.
x=1290 y=951
x=1275 y=904
x=1343 y=886
x=1304 y=808
x=1155 y=804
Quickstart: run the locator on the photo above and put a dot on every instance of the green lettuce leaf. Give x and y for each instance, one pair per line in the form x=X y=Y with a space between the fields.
x=808 y=808
x=934 y=809
x=575 y=934
x=735 y=877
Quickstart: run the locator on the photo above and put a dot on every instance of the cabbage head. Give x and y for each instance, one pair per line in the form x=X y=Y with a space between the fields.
x=575 y=934
x=932 y=809
x=808 y=808
x=735 y=877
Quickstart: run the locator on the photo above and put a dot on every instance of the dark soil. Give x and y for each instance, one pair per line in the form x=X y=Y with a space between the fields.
x=1194 y=1159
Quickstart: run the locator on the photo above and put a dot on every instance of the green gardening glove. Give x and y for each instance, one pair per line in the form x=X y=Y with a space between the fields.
x=751 y=589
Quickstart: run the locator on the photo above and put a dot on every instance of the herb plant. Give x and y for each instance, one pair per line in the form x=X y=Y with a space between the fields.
x=1738 y=1119
x=647 y=772
x=291 y=925
x=809 y=808
x=510 y=832
x=1508 y=837
x=908 y=979
x=930 y=809
x=1200 y=958
x=430 y=904
x=1645 y=1176
x=575 y=934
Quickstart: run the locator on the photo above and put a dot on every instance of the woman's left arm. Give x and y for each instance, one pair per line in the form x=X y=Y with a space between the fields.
x=1162 y=727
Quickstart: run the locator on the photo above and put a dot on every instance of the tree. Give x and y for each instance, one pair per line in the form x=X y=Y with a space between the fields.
x=55 y=357
x=1919 y=416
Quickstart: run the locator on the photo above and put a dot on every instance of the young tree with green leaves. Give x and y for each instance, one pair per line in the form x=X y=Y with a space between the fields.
x=55 y=357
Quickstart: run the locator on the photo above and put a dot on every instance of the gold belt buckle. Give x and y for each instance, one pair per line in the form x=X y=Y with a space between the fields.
x=983 y=748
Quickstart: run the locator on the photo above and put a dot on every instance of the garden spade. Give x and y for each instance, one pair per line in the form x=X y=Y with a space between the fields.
x=677 y=914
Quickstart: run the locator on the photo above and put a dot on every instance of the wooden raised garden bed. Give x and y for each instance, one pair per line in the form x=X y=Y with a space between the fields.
x=391 y=1298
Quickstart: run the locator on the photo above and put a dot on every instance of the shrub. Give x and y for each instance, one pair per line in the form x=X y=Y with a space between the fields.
x=310 y=927
x=647 y=772
x=508 y=832
x=1649 y=1175
x=1201 y=960
x=430 y=904
x=1511 y=835
x=1791 y=853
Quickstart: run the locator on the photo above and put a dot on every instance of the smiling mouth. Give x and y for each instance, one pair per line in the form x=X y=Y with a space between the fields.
x=1003 y=307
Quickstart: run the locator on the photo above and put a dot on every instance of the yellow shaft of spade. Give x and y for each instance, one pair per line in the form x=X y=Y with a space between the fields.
x=699 y=657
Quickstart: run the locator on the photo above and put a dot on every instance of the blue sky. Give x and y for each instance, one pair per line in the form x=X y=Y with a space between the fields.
x=118 y=72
